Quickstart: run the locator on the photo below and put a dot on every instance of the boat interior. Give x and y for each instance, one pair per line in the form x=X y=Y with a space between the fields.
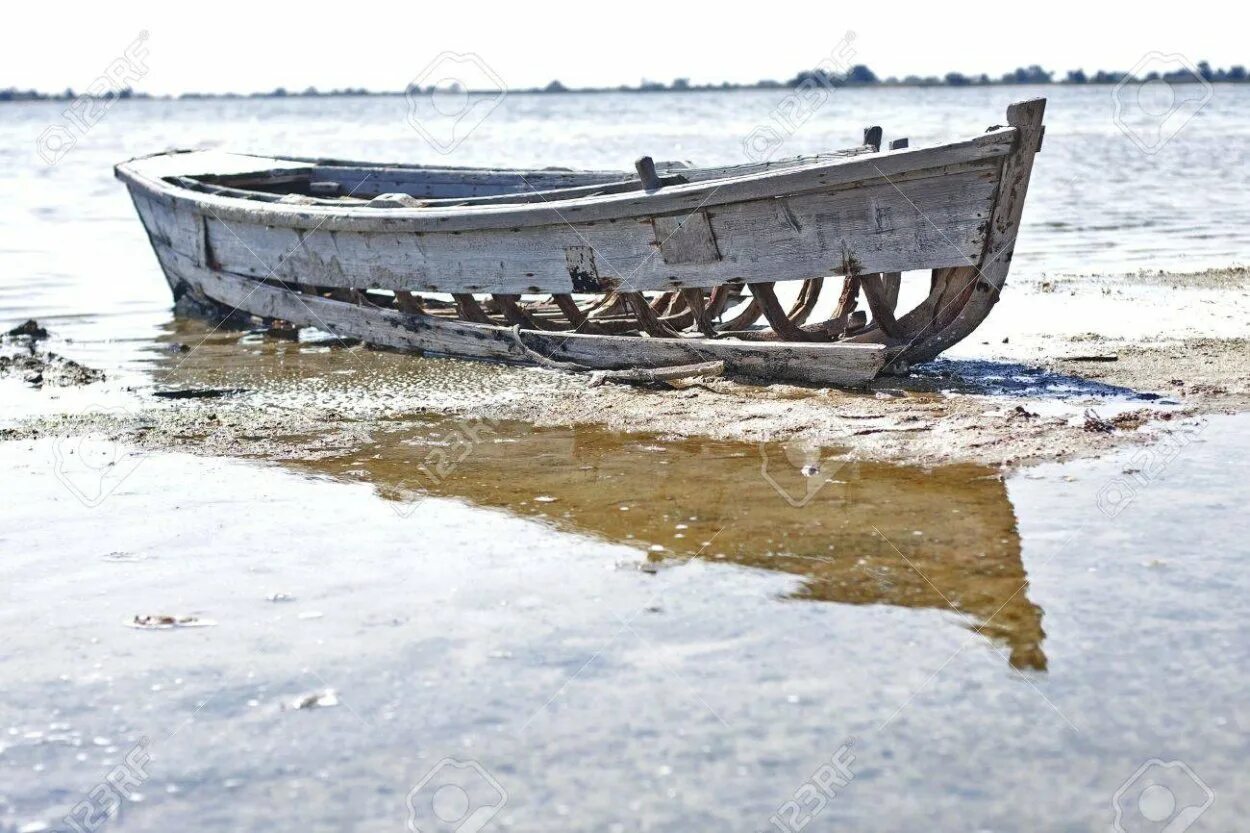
x=798 y=310
x=338 y=183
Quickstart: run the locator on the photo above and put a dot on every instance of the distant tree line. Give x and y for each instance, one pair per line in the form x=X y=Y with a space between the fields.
x=861 y=76
x=857 y=76
x=14 y=94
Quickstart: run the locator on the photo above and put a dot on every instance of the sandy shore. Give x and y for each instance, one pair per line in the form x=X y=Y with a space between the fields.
x=1029 y=397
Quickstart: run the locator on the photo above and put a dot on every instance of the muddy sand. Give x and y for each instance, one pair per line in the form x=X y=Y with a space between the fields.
x=1028 y=397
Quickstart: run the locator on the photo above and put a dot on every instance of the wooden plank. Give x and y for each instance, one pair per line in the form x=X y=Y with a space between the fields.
x=891 y=285
x=182 y=230
x=879 y=305
x=687 y=239
x=485 y=186
x=576 y=316
x=579 y=262
x=647 y=320
x=849 y=297
x=436 y=186
x=231 y=174
x=829 y=364
x=805 y=304
x=195 y=163
x=408 y=303
x=699 y=310
x=458 y=182
x=516 y=316
x=408 y=168
x=911 y=224
x=468 y=308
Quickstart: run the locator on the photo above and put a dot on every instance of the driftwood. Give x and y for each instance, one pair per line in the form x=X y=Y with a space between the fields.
x=645 y=376
x=633 y=376
x=545 y=361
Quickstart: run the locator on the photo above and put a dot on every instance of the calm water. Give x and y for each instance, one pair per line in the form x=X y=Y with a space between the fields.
x=625 y=632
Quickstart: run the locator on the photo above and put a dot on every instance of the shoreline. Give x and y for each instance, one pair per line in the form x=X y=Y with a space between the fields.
x=1036 y=397
x=966 y=82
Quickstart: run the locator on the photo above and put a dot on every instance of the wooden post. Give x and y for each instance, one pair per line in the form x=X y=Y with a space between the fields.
x=883 y=299
x=647 y=319
x=646 y=172
x=785 y=329
x=872 y=137
x=878 y=290
x=850 y=283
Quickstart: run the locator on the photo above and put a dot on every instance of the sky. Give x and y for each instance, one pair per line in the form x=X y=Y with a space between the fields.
x=236 y=46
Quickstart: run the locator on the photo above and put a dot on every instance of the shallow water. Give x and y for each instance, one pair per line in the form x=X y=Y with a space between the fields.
x=998 y=655
x=624 y=631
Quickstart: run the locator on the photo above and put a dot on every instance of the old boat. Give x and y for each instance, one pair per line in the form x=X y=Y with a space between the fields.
x=668 y=265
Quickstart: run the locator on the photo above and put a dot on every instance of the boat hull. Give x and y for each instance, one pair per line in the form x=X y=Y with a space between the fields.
x=360 y=268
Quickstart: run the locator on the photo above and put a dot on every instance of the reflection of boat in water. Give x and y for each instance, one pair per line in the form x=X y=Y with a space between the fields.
x=869 y=534
x=942 y=539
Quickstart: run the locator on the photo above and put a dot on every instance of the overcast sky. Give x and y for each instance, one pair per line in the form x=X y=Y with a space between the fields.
x=235 y=46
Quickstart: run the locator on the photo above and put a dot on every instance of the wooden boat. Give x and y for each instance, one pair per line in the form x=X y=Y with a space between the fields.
x=669 y=265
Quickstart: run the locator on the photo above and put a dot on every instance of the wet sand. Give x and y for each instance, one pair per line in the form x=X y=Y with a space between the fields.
x=988 y=413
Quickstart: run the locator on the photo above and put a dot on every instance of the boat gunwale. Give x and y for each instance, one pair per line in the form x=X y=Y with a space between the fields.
x=671 y=200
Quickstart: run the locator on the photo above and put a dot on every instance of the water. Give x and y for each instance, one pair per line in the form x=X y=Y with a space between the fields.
x=998 y=655
x=623 y=631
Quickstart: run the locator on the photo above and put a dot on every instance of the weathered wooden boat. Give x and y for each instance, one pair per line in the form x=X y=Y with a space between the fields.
x=668 y=265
